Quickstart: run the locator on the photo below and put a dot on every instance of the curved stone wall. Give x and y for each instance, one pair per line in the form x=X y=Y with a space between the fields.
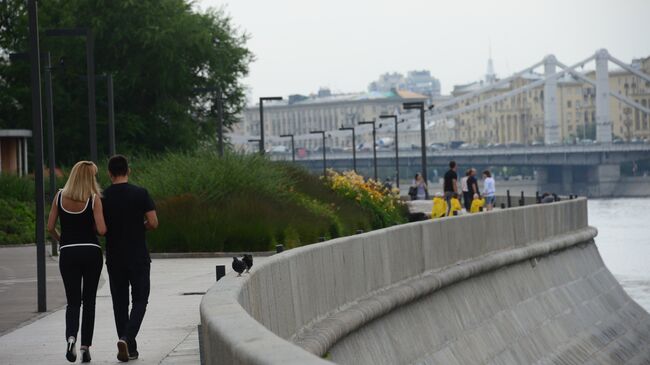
x=382 y=293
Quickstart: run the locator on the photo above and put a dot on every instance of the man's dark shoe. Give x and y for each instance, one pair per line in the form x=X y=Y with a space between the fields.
x=133 y=354
x=122 y=350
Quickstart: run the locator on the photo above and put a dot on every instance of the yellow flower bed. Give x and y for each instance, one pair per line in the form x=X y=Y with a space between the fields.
x=370 y=194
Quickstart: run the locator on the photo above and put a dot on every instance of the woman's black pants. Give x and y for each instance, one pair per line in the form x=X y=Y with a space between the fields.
x=81 y=267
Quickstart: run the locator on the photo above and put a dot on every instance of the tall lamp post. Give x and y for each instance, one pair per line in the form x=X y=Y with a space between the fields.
x=394 y=117
x=111 y=115
x=220 y=119
x=90 y=70
x=262 y=100
x=324 y=155
x=49 y=105
x=354 y=147
x=37 y=121
x=419 y=105
x=374 y=144
x=293 y=147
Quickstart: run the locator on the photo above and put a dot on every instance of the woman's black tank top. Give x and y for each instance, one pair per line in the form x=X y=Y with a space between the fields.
x=77 y=228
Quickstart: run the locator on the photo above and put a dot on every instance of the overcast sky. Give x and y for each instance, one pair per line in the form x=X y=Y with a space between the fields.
x=301 y=45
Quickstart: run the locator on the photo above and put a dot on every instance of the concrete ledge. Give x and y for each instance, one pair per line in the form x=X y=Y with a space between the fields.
x=319 y=336
x=299 y=294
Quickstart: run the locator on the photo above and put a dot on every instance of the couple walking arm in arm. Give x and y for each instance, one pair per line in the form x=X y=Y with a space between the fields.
x=123 y=214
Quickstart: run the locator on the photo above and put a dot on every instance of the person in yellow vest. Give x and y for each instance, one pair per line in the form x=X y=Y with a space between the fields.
x=439 y=206
x=477 y=204
x=455 y=207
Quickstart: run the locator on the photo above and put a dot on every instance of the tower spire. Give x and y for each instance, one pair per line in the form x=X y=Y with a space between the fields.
x=490 y=76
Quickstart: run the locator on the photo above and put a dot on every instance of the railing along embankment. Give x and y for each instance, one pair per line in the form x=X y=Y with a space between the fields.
x=361 y=299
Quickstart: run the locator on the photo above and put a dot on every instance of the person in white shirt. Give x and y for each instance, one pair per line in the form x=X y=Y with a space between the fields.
x=489 y=190
x=467 y=198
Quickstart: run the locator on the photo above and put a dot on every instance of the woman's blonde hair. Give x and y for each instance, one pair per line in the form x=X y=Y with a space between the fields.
x=82 y=184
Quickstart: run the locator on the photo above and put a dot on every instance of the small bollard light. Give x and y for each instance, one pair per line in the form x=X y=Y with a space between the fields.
x=503 y=205
x=359 y=231
x=538 y=199
x=279 y=248
x=522 y=202
x=321 y=239
x=221 y=271
x=508 y=198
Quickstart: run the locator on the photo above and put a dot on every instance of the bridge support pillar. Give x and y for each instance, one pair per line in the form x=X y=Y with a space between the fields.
x=567 y=180
x=551 y=125
x=603 y=122
x=603 y=180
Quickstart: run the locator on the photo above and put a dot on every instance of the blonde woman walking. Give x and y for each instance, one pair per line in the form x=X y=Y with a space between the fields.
x=78 y=207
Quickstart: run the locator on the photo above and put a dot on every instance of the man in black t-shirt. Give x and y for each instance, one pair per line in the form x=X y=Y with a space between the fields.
x=450 y=185
x=129 y=211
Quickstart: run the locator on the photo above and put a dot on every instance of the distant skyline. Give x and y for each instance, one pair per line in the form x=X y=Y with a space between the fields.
x=300 y=46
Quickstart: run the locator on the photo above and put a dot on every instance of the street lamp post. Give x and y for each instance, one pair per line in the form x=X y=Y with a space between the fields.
x=37 y=121
x=90 y=70
x=293 y=148
x=111 y=116
x=49 y=105
x=374 y=144
x=262 y=100
x=394 y=117
x=324 y=155
x=220 y=118
x=354 y=147
x=419 y=105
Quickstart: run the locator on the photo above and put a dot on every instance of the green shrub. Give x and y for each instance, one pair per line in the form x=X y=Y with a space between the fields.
x=15 y=187
x=16 y=222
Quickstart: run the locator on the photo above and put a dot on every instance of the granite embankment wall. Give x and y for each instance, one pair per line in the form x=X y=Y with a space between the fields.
x=518 y=286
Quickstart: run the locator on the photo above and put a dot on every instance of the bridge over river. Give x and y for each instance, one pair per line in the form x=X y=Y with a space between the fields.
x=517 y=286
x=588 y=170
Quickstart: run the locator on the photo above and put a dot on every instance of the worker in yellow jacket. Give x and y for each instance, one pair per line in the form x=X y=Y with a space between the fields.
x=455 y=207
x=439 y=206
x=477 y=204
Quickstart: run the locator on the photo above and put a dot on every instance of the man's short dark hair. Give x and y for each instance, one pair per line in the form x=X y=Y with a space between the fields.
x=118 y=166
x=452 y=164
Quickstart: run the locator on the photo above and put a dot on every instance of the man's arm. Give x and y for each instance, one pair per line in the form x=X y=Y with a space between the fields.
x=151 y=220
x=454 y=184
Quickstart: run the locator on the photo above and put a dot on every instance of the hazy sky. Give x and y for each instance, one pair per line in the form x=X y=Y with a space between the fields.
x=301 y=45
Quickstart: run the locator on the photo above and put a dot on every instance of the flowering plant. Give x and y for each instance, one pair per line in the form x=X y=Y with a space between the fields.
x=385 y=205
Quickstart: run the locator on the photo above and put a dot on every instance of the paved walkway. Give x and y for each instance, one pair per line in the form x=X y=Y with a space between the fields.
x=169 y=330
x=18 y=302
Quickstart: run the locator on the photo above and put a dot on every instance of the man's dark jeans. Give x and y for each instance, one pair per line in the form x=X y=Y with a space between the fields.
x=137 y=276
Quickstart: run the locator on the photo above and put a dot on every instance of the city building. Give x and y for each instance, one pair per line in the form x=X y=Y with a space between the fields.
x=520 y=119
x=322 y=111
x=420 y=82
x=13 y=151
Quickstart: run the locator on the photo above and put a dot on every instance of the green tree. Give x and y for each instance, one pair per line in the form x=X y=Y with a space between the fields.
x=159 y=52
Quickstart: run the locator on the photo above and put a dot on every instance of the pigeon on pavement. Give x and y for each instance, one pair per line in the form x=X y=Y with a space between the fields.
x=248 y=260
x=238 y=265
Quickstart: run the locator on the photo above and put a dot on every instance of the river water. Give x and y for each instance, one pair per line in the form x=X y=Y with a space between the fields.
x=624 y=242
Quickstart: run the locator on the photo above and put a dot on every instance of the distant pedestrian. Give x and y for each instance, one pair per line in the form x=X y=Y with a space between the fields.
x=467 y=197
x=418 y=190
x=472 y=183
x=454 y=205
x=129 y=212
x=439 y=209
x=450 y=184
x=81 y=217
x=489 y=190
x=477 y=204
x=388 y=185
